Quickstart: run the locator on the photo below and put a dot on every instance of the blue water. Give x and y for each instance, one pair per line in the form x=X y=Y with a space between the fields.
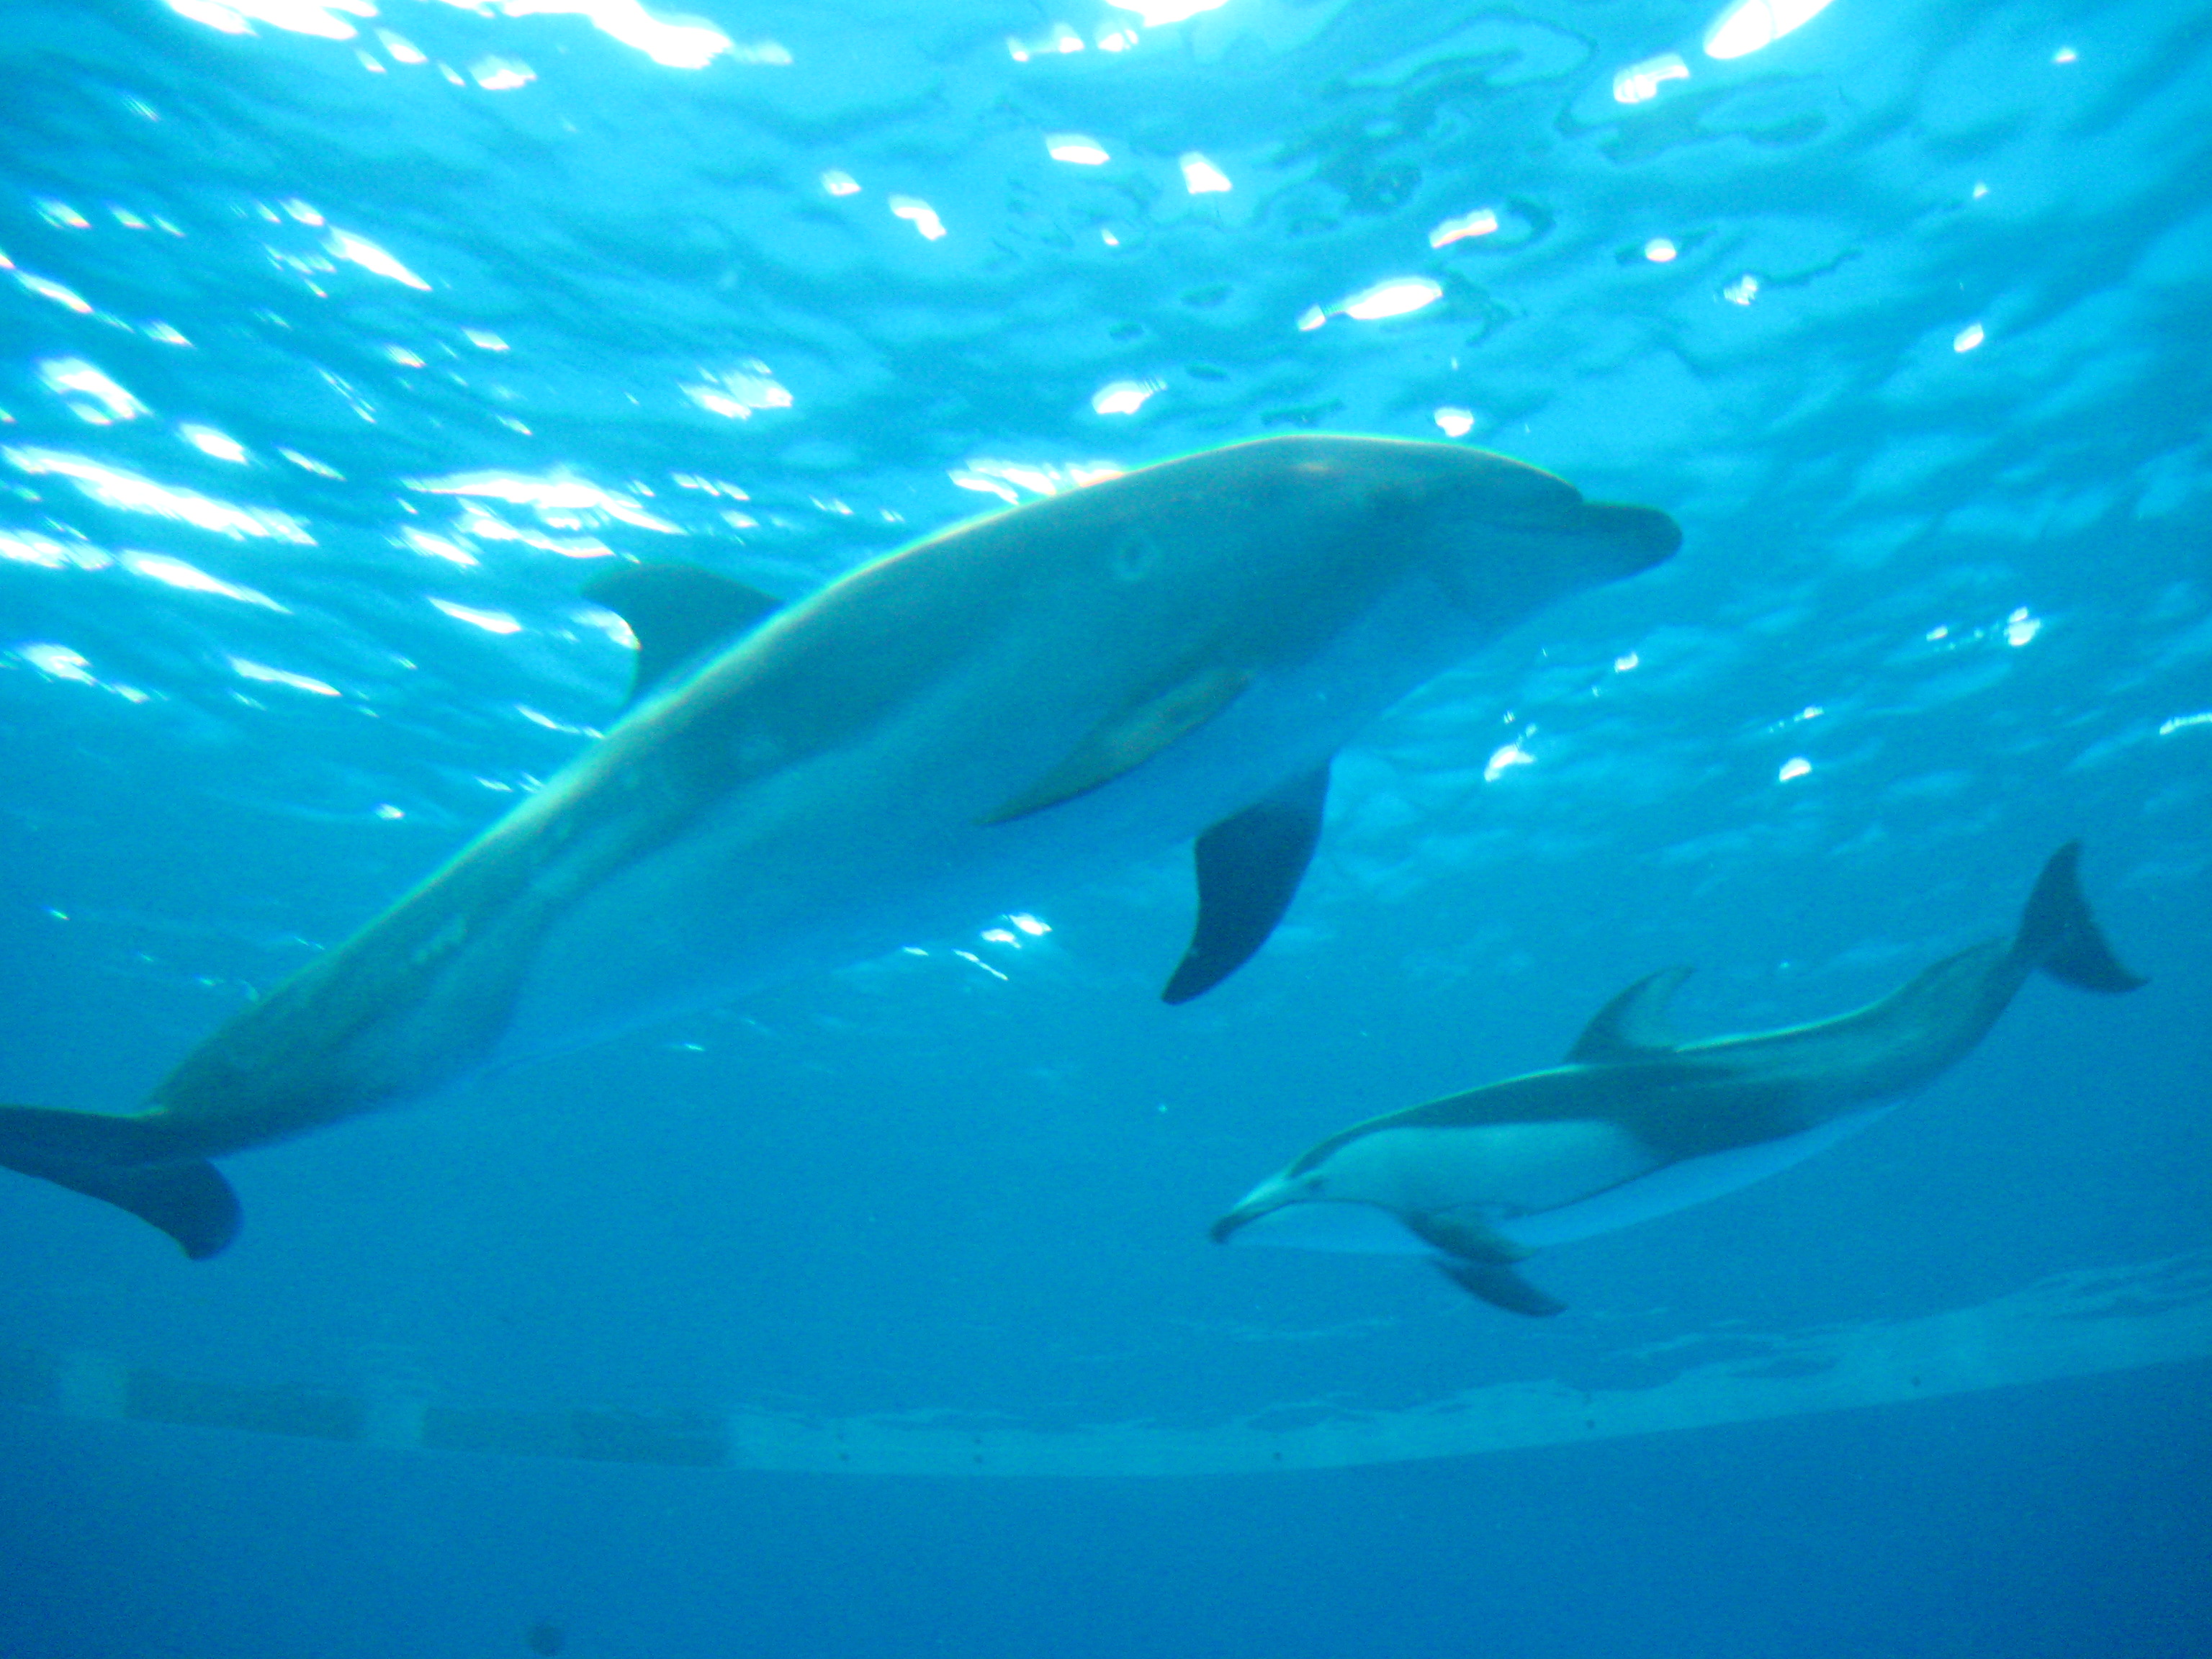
x=277 y=296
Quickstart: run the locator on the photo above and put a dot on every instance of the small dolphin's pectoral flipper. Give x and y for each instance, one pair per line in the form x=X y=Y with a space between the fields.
x=2059 y=935
x=1499 y=1285
x=1633 y=1025
x=1479 y=1260
x=1249 y=870
x=675 y=611
x=119 y=1159
x=1128 y=737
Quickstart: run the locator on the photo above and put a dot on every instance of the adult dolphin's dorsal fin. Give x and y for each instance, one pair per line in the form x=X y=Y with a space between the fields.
x=1634 y=1024
x=677 y=611
x=1248 y=869
x=1128 y=737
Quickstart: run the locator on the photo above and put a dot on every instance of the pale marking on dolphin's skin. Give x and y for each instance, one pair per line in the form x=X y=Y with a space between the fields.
x=1637 y=1125
x=966 y=726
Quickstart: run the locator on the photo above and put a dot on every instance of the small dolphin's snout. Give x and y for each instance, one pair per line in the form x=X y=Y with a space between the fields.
x=1265 y=1199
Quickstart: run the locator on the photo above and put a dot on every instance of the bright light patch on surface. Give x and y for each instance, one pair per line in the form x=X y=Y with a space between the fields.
x=298 y=16
x=735 y=393
x=437 y=547
x=61 y=217
x=1752 y=26
x=54 y=291
x=969 y=956
x=2020 y=628
x=128 y=492
x=268 y=676
x=90 y=394
x=57 y=662
x=2065 y=55
x=1742 y=291
x=1968 y=338
x=403 y=356
x=1010 y=480
x=487 y=526
x=1502 y=761
x=840 y=184
x=300 y=212
x=1311 y=319
x=403 y=50
x=492 y=622
x=690 y=44
x=501 y=74
x=551 y=495
x=1660 y=250
x=1154 y=14
x=1639 y=83
x=309 y=464
x=1627 y=664
x=919 y=214
x=175 y=573
x=1062 y=40
x=1481 y=222
x=1795 y=767
x=1394 y=298
x=1124 y=396
x=370 y=258
x=209 y=441
x=1076 y=149
x=162 y=334
x=1116 y=39
x=999 y=936
x=28 y=547
x=2183 y=722
x=1037 y=929
x=1199 y=176
x=483 y=339
x=1455 y=422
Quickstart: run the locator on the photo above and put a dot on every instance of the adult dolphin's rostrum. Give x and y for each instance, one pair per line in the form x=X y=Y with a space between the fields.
x=1635 y=1124
x=955 y=730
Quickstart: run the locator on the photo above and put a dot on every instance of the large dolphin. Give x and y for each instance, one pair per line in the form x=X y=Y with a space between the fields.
x=1636 y=1124
x=958 y=728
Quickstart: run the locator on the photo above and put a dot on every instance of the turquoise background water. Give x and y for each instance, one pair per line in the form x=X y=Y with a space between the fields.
x=1945 y=600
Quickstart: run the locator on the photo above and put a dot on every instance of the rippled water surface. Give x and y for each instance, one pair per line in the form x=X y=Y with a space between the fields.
x=342 y=344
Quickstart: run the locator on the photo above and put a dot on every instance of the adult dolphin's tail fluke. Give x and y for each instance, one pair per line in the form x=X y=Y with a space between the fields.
x=132 y=1163
x=961 y=728
x=1636 y=1124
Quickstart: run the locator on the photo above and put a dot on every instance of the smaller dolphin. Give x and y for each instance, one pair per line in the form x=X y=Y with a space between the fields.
x=1636 y=1124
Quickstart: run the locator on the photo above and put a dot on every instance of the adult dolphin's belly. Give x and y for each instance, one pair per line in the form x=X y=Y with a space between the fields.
x=856 y=853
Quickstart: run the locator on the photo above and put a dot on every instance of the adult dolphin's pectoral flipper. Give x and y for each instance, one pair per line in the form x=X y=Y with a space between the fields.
x=1636 y=1123
x=975 y=722
x=1249 y=871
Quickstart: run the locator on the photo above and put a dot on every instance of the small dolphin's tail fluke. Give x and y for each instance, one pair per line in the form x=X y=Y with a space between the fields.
x=2058 y=935
x=129 y=1163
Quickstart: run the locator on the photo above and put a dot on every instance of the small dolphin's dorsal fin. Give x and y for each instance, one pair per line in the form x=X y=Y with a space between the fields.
x=1128 y=737
x=1632 y=1025
x=675 y=611
x=1248 y=869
